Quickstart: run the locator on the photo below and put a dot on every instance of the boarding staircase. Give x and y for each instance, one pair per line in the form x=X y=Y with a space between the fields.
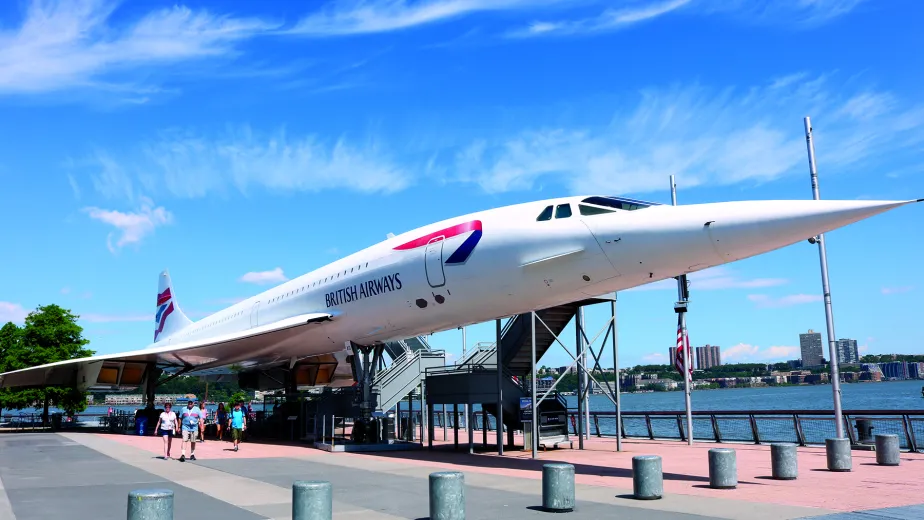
x=474 y=378
x=410 y=360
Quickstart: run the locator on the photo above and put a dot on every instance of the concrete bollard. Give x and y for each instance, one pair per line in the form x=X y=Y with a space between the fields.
x=447 y=495
x=150 y=504
x=723 y=468
x=887 y=452
x=312 y=500
x=784 y=461
x=558 y=487
x=647 y=478
x=838 y=451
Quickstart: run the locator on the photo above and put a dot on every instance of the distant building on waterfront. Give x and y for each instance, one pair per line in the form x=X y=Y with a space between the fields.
x=847 y=352
x=894 y=370
x=708 y=357
x=810 y=345
x=916 y=370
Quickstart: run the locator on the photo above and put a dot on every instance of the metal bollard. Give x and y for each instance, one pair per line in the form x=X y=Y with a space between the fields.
x=723 y=468
x=838 y=451
x=150 y=504
x=447 y=495
x=312 y=500
x=558 y=487
x=784 y=460
x=887 y=452
x=647 y=478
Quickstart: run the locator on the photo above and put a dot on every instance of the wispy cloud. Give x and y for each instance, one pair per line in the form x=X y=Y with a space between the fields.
x=745 y=353
x=131 y=227
x=12 y=312
x=897 y=290
x=187 y=165
x=764 y=301
x=362 y=17
x=703 y=136
x=609 y=20
x=793 y=13
x=264 y=277
x=715 y=278
x=76 y=44
x=655 y=358
x=115 y=318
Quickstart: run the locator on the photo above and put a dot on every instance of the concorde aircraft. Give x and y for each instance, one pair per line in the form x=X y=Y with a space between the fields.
x=460 y=271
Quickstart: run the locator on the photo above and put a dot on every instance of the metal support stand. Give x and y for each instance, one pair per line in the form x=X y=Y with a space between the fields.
x=532 y=395
x=616 y=378
x=681 y=309
x=829 y=313
x=500 y=389
x=579 y=348
x=455 y=424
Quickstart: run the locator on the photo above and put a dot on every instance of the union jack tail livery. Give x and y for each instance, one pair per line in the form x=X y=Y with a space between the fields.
x=169 y=317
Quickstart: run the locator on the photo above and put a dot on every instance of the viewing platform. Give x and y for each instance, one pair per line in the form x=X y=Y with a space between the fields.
x=81 y=475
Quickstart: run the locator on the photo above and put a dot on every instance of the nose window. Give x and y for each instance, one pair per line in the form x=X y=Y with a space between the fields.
x=563 y=211
x=546 y=214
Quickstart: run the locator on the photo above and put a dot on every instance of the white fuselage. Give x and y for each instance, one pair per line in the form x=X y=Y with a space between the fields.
x=396 y=290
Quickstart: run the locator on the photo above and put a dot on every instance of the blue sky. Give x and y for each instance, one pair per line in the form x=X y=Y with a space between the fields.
x=241 y=143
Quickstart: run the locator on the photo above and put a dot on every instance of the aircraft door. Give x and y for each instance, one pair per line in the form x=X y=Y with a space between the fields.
x=255 y=315
x=433 y=259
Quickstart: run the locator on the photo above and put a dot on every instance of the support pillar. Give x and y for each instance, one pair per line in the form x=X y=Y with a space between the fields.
x=579 y=350
x=469 y=427
x=455 y=424
x=499 y=363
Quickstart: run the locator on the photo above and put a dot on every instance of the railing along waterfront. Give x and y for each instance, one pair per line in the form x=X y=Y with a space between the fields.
x=803 y=427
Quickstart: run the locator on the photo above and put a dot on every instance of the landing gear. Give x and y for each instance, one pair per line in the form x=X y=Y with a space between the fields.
x=367 y=428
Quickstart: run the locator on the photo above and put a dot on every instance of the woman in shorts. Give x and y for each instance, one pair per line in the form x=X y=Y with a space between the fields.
x=166 y=428
x=221 y=417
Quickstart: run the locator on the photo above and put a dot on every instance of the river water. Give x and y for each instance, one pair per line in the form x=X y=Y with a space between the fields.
x=893 y=395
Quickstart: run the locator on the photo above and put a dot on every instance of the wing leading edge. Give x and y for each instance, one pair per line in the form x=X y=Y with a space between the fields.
x=265 y=345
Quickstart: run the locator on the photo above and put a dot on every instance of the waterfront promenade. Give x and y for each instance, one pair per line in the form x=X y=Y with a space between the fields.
x=81 y=476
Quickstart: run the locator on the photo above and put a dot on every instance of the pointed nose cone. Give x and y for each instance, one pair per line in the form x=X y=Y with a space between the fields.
x=743 y=229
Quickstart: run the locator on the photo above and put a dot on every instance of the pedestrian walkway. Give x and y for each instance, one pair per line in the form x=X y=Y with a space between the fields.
x=77 y=476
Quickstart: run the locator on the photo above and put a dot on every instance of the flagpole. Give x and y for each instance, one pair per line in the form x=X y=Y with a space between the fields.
x=683 y=347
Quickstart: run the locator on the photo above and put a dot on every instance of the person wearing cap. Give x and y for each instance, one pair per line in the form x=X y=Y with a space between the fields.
x=190 y=417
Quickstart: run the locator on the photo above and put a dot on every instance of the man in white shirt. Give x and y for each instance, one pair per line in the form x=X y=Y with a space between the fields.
x=190 y=417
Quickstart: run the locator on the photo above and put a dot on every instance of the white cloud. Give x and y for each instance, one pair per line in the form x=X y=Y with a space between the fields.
x=796 y=13
x=715 y=278
x=115 y=318
x=12 y=312
x=359 y=17
x=703 y=136
x=66 y=44
x=897 y=290
x=183 y=164
x=65 y=290
x=131 y=227
x=609 y=20
x=745 y=353
x=655 y=358
x=763 y=301
x=264 y=277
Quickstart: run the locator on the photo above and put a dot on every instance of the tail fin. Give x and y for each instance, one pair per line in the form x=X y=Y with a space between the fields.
x=169 y=318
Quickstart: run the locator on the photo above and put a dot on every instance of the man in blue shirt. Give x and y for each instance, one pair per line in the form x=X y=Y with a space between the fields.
x=238 y=423
x=190 y=417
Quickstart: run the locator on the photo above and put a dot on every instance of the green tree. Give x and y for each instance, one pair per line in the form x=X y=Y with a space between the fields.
x=50 y=334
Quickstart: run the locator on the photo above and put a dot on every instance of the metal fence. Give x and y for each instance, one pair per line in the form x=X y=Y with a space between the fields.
x=803 y=427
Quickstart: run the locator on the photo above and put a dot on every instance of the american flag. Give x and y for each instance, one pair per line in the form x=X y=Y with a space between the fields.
x=681 y=352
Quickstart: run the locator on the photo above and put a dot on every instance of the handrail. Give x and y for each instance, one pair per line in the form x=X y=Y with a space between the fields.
x=757 y=412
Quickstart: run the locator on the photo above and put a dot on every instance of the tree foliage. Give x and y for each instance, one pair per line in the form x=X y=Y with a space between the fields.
x=50 y=334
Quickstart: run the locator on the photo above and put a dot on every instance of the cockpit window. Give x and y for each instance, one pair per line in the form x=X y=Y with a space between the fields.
x=617 y=203
x=594 y=210
x=546 y=214
x=563 y=211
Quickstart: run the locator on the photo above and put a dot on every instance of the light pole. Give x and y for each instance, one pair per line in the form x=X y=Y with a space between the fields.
x=829 y=314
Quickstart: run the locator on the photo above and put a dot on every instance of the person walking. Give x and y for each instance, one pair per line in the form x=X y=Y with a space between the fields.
x=238 y=424
x=221 y=419
x=166 y=427
x=190 y=418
